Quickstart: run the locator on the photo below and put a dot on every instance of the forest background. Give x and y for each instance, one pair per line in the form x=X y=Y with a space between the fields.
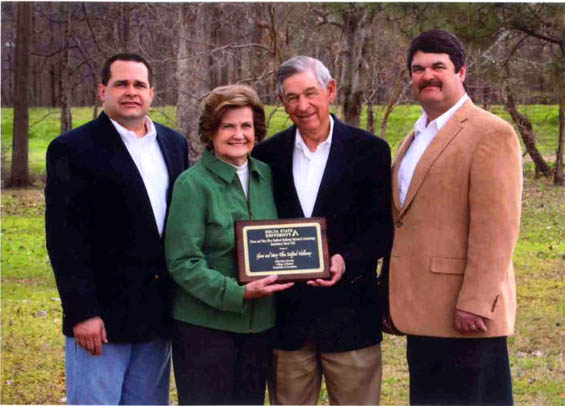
x=52 y=54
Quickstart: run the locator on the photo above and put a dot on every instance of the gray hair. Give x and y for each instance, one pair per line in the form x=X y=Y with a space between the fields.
x=300 y=64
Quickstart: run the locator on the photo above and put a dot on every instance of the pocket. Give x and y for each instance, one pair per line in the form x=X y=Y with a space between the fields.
x=450 y=266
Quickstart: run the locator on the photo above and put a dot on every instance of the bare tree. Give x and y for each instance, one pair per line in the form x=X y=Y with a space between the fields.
x=19 y=175
x=195 y=47
x=558 y=178
x=398 y=90
x=527 y=133
x=192 y=72
x=355 y=34
x=65 y=80
x=544 y=26
x=353 y=20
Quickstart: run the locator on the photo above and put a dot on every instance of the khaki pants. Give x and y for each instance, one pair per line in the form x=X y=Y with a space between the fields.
x=352 y=377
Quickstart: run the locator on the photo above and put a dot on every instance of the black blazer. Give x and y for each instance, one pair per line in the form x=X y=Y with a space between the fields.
x=355 y=198
x=102 y=238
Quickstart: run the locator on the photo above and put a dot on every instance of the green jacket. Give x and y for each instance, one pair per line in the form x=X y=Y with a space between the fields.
x=200 y=245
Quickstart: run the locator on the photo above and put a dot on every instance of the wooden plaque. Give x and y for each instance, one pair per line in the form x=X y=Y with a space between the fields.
x=293 y=249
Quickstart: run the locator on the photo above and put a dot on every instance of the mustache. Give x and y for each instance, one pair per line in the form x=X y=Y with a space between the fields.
x=428 y=83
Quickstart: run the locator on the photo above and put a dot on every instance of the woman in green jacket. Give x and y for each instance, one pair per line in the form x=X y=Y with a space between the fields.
x=221 y=335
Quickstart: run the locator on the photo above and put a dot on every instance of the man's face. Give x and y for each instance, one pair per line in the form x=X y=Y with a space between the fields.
x=435 y=83
x=127 y=96
x=307 y=103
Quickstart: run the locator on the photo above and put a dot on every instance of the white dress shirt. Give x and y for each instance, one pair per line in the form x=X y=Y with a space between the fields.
x=308 y=168
x=424 y=135
x=151 y=165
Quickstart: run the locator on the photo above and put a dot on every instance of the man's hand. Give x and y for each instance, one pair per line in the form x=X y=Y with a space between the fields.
x=264 y=287
x=337 y=268
x=469 y=323
x=90 y=334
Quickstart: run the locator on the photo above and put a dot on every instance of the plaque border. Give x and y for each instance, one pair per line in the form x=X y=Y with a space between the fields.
x=244 y=276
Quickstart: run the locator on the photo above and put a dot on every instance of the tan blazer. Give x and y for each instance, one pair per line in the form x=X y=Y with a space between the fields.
x=456 y=232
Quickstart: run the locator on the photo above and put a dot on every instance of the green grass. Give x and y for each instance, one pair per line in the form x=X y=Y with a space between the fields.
x=545 y=122
x=33 y=346
x=44 y=126
x=539 y=260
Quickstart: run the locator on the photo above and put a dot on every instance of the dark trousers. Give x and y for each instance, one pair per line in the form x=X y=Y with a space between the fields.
x=214 y=367
x=459 y=371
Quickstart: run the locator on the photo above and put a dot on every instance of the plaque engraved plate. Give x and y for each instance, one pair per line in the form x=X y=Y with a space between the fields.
x=293 y=249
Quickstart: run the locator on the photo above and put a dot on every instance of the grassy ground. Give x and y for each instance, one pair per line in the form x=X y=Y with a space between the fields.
x=32 y=343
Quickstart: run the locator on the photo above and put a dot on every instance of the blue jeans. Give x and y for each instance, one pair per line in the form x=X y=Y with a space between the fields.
x=125 y=374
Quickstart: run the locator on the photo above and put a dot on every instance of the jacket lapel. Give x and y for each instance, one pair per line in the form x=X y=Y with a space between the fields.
x=166 y=151
x=124 y=167
x=396 y=165
x=335 y=166
x=440 y=142
x=286 y=168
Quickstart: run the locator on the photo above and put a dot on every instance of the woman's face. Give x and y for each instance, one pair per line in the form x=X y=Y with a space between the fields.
x=235 y=137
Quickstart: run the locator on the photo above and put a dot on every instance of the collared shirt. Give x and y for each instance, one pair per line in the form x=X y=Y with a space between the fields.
x=423 y=136
x=308 y=168
x=151 y=165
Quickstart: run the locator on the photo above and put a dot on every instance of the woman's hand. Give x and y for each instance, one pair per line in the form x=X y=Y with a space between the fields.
x=264 y=287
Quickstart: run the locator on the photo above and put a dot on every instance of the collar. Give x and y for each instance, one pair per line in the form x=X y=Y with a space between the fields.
x=225 y=171
x=129 y=135
x=441 y=120
x=301 y=145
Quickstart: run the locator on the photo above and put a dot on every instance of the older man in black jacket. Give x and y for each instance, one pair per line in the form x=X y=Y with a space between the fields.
x=325 y=168
x=109 y=183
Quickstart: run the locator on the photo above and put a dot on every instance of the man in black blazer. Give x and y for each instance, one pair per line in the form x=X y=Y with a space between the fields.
x=109 y=183
x=324 y=168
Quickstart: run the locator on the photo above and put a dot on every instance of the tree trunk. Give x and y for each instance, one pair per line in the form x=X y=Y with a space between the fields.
x=95 y=101
x=19 y=174
x=65 y=79
x=370 y=117
x=192 y=73
x=394 y=97
x=276 y=52
x=558 y=179
x=54 y=63
x=355 y=32
x=486 y=98
x=526 y=132
x=123 y=27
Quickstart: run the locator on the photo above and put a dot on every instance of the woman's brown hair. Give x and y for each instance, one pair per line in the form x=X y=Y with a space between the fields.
x=224 y=98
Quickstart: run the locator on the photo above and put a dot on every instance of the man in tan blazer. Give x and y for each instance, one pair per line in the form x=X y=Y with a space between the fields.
x=457 y=183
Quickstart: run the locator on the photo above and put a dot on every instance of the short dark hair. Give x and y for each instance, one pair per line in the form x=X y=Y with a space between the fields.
x=438 y=42
x=225 y=98
x=128 y=57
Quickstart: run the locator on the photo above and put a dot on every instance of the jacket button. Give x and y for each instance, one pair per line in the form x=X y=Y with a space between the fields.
x=398 y=224
x=156 y=276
